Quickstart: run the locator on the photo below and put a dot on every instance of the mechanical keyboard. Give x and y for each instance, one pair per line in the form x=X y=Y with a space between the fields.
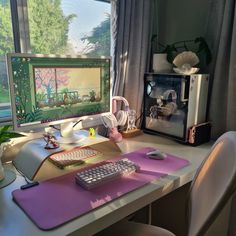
x=74 y=156
x=95 y=176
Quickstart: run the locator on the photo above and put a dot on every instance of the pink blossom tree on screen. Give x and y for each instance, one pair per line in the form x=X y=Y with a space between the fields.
x=48 y=80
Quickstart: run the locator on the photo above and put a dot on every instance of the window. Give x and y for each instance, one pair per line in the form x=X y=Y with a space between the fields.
x=80 y=27
x=69 y=27
x=6 y=45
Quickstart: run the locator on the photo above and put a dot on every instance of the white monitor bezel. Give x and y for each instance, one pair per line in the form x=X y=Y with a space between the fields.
x=38 y=125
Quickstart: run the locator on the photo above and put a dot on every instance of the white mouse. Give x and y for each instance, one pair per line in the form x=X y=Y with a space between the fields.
x=158 y=155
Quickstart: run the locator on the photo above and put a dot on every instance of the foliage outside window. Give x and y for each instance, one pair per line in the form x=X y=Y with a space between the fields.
x=55 y=27
x=48 y=26
x=6 y=45
x=99 y=41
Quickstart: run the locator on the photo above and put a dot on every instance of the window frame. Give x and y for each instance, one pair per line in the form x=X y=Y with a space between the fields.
x=21 y=34
x=21 y=30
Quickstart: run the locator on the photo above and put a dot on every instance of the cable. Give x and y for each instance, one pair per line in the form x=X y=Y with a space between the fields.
x=29 y=183
x=54 y=127
x=76 y=123
x=26 y=179
x=139 y=119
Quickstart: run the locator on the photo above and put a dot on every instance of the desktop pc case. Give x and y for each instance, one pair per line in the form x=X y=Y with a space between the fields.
x=174 y=104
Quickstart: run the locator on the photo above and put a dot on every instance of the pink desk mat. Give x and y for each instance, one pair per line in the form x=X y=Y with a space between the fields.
x=59 y=200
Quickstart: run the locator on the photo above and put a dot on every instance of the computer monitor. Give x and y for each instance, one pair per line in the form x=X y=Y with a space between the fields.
x=51 y=90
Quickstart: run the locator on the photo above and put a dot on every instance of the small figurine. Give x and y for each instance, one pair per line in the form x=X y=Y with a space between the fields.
x=92 y=132
x=131 y=120
x=51 y=141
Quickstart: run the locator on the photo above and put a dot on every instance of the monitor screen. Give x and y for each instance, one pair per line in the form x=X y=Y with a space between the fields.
x=52 y=89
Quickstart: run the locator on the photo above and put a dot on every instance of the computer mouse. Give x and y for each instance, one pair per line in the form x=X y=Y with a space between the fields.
x=156 y=154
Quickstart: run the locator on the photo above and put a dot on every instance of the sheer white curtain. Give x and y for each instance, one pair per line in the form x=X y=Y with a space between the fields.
x=222 y=38
x=132 y=28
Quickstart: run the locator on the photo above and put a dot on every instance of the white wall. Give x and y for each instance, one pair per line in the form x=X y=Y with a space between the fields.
x=182 y=19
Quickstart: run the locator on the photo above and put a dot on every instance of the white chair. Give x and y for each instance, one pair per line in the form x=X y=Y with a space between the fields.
x=211 y=188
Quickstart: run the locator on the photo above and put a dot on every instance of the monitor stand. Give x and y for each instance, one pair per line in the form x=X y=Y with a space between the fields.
x=33 y=153
x=68 y=135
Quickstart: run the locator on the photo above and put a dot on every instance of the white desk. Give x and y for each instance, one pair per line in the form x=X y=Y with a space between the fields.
x=14 y=222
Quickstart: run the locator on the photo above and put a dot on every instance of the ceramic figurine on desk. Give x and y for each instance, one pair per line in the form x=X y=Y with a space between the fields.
x=51 y=141
x=131 y=129
x=131 y=120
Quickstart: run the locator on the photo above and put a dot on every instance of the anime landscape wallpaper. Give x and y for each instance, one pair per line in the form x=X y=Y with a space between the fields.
x=49 y=89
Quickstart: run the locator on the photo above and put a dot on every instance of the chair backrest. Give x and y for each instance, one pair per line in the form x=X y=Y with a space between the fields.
x=213 y=184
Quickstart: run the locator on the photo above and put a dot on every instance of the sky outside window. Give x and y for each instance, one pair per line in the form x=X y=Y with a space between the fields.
x=89 y=14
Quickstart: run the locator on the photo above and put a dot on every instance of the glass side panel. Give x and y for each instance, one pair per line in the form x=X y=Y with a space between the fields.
x=165 y=105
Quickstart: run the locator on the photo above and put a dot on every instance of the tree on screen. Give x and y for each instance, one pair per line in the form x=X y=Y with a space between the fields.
x=49 y=80
x=45 y=80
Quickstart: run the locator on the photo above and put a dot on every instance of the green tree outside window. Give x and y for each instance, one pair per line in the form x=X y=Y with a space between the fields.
x=48 y=26
x=100 y=40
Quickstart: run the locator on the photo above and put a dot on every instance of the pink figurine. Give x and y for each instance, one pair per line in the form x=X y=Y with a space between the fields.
x=51 y=141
